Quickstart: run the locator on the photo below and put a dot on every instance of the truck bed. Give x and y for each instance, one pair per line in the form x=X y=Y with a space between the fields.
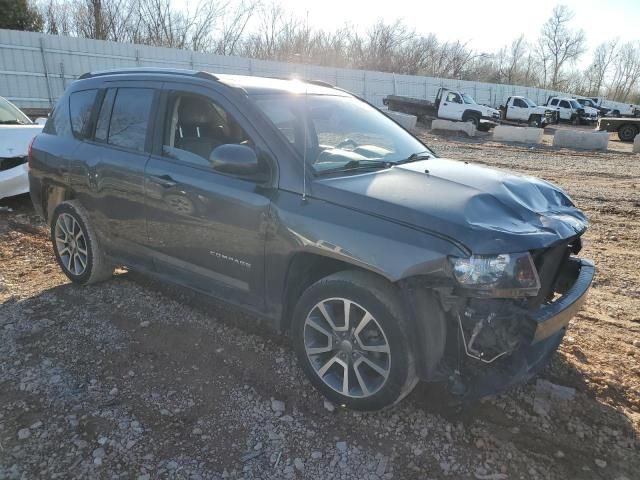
x=414 y=106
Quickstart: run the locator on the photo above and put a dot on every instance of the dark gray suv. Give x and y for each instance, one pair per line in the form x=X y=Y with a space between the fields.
x=307 y=206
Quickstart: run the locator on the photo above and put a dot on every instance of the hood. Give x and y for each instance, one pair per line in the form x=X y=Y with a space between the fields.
x=488 y=211
x=590 y=110
x=14 y=139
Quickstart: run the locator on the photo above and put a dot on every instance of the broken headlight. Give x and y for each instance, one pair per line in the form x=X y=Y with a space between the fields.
x=504 y=275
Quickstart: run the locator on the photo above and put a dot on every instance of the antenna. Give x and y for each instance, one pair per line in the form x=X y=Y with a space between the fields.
x=304 y=150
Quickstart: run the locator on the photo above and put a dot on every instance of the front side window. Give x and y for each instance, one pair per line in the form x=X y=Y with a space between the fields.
x=519 y=103
x=195 y=126
x=80 y=107
x=564 y=104
x=11 y=115
x=453 y=97
x=335 y=132
x=130 y=118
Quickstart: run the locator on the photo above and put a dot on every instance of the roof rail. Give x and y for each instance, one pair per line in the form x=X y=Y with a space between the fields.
x=320 y=83
x=173 y=71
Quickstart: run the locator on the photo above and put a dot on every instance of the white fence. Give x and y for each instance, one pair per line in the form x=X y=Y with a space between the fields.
x=35 y=69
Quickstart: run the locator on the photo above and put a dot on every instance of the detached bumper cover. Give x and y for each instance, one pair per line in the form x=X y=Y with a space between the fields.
x=14 y=181
x=551 y=321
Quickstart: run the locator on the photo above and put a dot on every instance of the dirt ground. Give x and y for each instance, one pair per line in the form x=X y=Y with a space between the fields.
x=132 y=379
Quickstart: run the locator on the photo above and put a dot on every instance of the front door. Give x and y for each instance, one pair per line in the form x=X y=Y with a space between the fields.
x=451 y=106
x=206 y=228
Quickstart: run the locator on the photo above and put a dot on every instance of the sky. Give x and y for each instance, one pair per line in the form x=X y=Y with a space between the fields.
x=487 y=25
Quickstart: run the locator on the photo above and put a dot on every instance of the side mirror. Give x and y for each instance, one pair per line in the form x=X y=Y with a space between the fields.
x=234 y=159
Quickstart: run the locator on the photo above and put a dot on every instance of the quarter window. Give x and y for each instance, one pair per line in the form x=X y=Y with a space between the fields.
x=80 y=107
x=130 y=118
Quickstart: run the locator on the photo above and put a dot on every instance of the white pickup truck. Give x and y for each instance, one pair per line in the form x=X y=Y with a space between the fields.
x=449 y=105
x=16 y=132
x=521 y=109
x=571 y=111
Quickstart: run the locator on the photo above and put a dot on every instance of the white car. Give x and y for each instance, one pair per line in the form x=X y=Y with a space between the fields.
x=16 y=132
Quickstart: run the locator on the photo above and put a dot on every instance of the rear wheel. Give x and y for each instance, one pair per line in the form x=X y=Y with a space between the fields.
x=627 y=133
x=351 y=342
x=76 y=246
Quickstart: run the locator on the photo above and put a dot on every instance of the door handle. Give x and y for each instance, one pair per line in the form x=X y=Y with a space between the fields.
x=163 y=180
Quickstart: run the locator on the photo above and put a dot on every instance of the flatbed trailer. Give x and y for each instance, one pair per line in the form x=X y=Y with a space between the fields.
x=627 y=128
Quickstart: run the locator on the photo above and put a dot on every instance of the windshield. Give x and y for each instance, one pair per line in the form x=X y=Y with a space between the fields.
x=11 y=115
x=341 y=132
x=575 y=104
x=468 y=100
x=530 y=102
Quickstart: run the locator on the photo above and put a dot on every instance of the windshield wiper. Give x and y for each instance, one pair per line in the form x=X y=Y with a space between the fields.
x=355 y=165
x=414 y=157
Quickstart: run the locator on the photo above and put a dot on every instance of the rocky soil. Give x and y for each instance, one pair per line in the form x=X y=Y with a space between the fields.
x=132 y=379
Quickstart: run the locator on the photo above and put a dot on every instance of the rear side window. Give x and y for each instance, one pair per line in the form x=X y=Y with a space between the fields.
x=130 y=118
x=80 y=107
x=554 y=101
x=58 y=122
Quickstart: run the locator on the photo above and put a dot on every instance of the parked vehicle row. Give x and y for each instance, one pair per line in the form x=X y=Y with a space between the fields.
x=305 y=205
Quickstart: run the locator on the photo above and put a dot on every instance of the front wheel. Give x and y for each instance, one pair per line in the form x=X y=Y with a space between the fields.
x=535 y=121
x=350 y=338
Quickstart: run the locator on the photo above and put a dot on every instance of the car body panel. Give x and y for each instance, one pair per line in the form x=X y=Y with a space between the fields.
x=14 y=141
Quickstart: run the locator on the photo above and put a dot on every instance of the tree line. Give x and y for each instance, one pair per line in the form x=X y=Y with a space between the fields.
x=264 y=29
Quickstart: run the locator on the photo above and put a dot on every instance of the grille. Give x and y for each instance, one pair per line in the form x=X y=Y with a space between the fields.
x=549 y=263
x=8 y=163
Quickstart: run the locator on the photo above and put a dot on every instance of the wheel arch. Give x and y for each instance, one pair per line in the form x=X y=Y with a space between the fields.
x=303 y=270
x=425 y=316
x=52 y=196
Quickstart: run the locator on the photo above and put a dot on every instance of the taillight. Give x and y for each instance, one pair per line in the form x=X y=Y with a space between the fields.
x=30 y=152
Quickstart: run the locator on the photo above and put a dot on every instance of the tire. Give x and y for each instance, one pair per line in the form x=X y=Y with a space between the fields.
x=473 y=118
x=365 y=293
x=535 y=121
x=86 y=268
x=627 y=132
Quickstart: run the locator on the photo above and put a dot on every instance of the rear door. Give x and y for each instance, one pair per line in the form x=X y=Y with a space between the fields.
x=108 y=174
x=206 y=229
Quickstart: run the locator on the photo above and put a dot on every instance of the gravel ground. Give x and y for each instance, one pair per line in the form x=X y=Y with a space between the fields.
x=134 y=379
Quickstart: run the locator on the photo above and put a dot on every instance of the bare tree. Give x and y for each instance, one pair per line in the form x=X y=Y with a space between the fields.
x=603 y=57
x=559 y=45
x=626 y=72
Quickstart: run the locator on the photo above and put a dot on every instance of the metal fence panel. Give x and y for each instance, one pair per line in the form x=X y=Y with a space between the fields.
x=36 y=68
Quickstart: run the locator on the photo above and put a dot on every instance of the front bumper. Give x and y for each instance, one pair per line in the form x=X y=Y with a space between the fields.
x=14 y=181
x=551 y=321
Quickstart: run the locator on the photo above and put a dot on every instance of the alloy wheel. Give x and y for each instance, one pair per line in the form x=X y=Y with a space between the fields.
x=71 y=244
x=347 y=347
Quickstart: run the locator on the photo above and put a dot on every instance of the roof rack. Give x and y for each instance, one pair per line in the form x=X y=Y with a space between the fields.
x=173 y=71
x=320 y=83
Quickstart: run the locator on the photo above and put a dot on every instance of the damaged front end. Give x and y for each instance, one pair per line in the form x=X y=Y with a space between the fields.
x=14 y=178
x=501 y=330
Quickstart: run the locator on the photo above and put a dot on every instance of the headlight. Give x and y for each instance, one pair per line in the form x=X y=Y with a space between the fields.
x=504 y=275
